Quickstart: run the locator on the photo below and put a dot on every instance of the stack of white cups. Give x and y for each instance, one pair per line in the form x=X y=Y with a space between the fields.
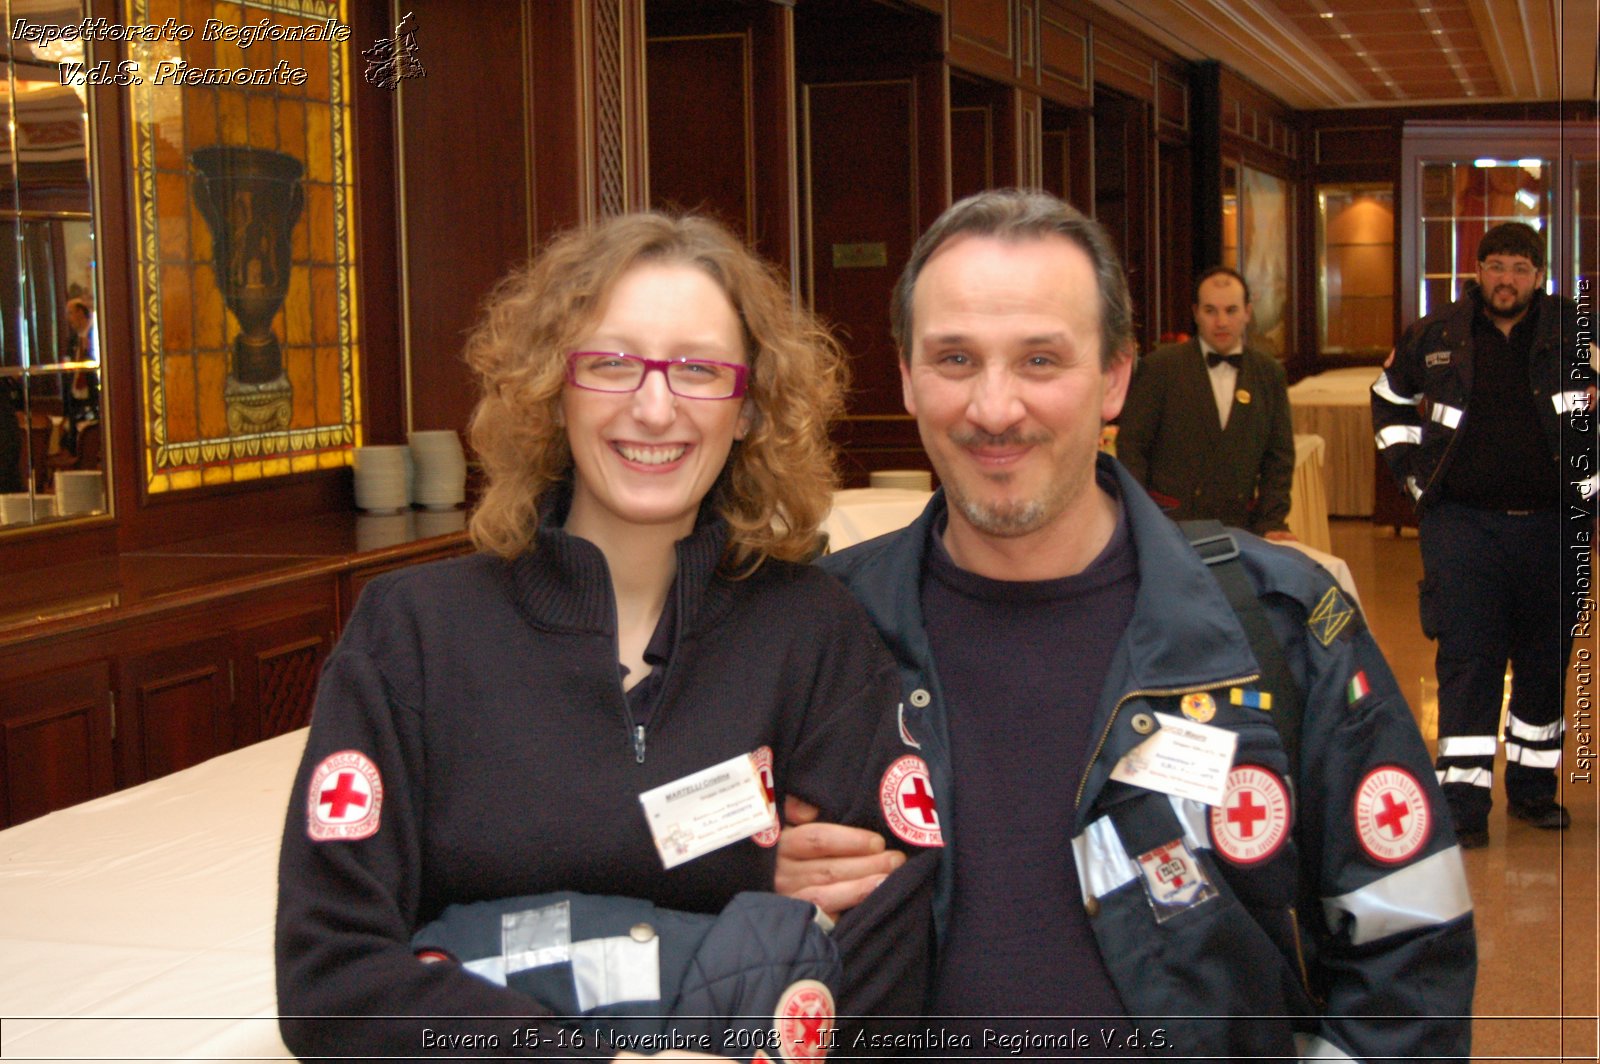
x=441 y=469
x=383 y=478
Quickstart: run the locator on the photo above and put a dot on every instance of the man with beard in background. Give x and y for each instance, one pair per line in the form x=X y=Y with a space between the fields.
x=1470 y=414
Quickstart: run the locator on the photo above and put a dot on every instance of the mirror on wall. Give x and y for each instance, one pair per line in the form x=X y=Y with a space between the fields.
x=52 y=441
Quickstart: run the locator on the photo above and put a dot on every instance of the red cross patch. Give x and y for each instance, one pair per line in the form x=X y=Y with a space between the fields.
x=1252 y=822
x=345 y=798
x=803 y=1021
x=1393 y=820
x=907 y=799
x=763 y=759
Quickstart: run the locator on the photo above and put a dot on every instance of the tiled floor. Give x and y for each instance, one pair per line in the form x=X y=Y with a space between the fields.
x=1534 y=891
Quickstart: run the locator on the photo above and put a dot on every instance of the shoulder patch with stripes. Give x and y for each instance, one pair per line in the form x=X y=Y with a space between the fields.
x=1330 y=617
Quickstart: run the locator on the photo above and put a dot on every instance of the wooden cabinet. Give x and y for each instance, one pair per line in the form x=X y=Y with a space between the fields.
x=55 y=739
x=277 y=664
x=162 y=674
x=177 y=708
x=88 y=712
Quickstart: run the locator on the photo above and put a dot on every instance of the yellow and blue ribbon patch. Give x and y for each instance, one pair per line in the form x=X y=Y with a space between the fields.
x=1250 y=696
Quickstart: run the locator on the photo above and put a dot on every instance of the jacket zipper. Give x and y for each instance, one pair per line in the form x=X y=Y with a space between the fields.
x=1105 y=733
x=1300 y=956
x=636 y=731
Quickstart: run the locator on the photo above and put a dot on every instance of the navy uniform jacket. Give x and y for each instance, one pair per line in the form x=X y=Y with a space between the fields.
x=1347 y=934
x=1419 y=401
x=1169 y=438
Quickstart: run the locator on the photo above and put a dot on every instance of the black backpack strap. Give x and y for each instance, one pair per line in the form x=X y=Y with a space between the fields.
x=1217 y=548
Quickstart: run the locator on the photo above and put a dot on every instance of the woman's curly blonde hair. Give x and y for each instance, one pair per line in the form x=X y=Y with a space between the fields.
x=778 y=483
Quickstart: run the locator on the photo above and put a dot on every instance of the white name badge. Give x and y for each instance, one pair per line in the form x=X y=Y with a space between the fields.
x=1182 y=758
x=707 y=810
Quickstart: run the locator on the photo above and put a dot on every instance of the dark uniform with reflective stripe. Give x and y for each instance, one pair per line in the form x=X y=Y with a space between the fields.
x=1488 y=434
x=1347 y=936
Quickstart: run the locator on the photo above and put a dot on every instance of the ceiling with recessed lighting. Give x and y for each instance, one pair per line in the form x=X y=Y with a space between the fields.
x=1316 y=54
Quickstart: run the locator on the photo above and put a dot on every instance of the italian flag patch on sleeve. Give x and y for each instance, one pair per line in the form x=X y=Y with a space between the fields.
x=1358 y=688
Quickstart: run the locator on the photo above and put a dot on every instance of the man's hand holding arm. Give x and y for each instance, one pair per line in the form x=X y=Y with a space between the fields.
x=832 y=866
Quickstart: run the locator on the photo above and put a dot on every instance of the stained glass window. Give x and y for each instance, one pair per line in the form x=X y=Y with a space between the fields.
x=246 y=259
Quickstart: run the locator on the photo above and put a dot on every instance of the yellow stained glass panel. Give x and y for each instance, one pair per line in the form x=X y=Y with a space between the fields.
x=245 y=242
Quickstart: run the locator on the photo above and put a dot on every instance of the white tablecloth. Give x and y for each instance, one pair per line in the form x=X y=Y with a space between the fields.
x=1308 y=496
x=139 y=925
x=1337 y=405
x=859 y=514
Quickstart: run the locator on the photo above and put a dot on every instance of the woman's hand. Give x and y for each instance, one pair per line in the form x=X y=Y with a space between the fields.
x=832 y=866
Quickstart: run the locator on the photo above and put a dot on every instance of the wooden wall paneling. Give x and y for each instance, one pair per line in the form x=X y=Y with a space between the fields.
x=776 y=139
x=983 y=135
x=1257 y=127
x=1174 y=220
x=1055 y=162
x=971 y=150
x=861 y=219
x=1028 y=42
x=931 y=94
x=1355 y=150
x=117 y=320
x=1064 y=64
x=1206 y=148
x=702 y=155
x=381 y=369
x=1026 y=156
x=1172 y=100
x=983 y=37
x=561 y=164
x=835 y=43
x=1123 y=186
x=449 y=264
x=615 y=73
x=719 y=135
x=55 y=740
x=1068 y=138
x=1123 y=65
x=176 y=516
x=901 y=116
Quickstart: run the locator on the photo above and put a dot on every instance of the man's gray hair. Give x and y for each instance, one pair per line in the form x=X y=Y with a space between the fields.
x=1021 y=214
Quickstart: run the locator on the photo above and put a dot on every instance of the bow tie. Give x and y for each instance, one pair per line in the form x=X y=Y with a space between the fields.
x=1213 y=360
